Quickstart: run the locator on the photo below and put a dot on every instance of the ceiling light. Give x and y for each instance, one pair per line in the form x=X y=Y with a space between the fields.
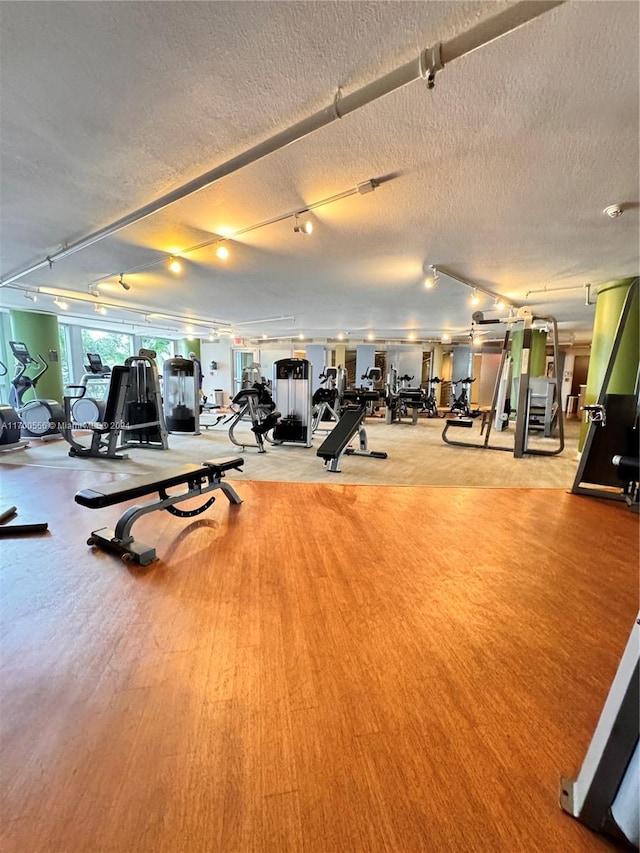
x=175 y=265
x=31 y=297
x=123 y=284
x=432 y=279
x=613 y=211
x=371 y=336
x=475 y=298
x=222 y=252
x=301 y=336
x=499 y=304
x=304 y=227
x=446 y=337
x=100 y=309
x=60 y=303
x=92 y=290
x=412 y=336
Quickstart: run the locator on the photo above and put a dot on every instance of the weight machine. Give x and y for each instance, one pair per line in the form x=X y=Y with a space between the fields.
x=326 y=400
x=293 y=397
x=526 y=411
x=131 y=416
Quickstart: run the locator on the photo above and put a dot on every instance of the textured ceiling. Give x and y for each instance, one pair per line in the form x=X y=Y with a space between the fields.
x=499 y=174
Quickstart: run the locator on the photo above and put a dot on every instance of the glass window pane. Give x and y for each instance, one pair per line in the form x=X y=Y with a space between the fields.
x=113 y=348
x=163 y=347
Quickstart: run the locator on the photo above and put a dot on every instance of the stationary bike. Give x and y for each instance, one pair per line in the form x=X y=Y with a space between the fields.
x=40 y=418
x=460 y=404
x=430 y=404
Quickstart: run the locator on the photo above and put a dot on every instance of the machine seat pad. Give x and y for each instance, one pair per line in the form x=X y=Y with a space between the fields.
x=459 y=422
x=115 y=493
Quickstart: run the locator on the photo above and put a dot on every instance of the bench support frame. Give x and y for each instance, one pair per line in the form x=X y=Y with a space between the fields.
x=120 y=541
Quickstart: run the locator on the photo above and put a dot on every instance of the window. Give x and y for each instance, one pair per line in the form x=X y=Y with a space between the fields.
x=162 y=346
x=113 y=348
x=65 y=362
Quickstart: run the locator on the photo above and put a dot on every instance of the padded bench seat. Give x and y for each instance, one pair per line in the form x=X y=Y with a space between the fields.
x=199 y=481
x=137 y=487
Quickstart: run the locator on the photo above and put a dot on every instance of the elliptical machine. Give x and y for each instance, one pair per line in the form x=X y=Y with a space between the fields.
x=40 y=418
x=10 y=424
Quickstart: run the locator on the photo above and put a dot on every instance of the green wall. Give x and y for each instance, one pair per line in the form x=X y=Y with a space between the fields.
x=537 y=355
x=188 y=345
x=40 y=334
x=609 y=305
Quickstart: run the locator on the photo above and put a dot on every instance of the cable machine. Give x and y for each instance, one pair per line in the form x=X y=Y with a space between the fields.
x=293 y=397
x=530 y=394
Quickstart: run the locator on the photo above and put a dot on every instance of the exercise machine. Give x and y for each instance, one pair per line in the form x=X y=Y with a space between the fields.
x=181 y=386
x=521 y=445
x=131 y=416
x=459 y=404
x=325 y=400
x=351 y=423
x=255 y=405
x=144 y=423
x=293 y=398
x=89 y=405
x=400 y=397
x=198 y=480
x=613 y=429
x=10 y=424
x=605 y=796
x=40 y=418
x=430 y=404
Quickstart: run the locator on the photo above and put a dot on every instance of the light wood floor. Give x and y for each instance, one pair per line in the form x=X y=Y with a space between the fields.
x=324 y=668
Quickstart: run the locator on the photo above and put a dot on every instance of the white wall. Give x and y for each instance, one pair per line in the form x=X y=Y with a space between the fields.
x=221 y=353
x=318 y=355
x=407 y=361
x=365 y=358
x=269 y=355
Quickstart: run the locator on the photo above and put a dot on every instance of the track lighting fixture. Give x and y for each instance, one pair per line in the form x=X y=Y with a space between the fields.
x=60 y=303
x=432 y=279
x=175 y=265
x=100 y=309
x=222 y=252
x=30 y=296
x=475 y=297
x=302 y=227
x=123 y=283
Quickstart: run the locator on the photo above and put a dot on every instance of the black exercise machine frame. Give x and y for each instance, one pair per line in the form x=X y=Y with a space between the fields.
x=199 y=480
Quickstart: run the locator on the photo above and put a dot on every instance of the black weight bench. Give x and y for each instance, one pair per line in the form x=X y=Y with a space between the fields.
x=198 y=479
x=336 y=444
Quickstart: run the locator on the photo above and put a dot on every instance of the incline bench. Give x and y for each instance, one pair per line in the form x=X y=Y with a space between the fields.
x=351 y=422
x=199 y=480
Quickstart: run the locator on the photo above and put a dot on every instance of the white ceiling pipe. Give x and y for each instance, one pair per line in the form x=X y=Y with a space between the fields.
x=491 y=293
x=426 y=65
